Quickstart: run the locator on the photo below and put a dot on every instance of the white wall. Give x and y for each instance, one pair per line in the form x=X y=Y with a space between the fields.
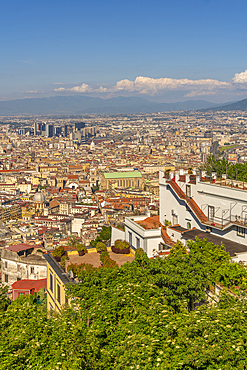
x=23 y=273
x=169 y=202
x=77 y=224
x=204 y=194
x=149 y=239
x=116 y=234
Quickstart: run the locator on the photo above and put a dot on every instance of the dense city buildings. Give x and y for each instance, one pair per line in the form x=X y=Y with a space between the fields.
x=65 y=176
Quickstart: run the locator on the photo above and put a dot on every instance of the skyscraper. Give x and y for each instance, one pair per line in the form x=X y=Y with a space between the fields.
x=79 y=125
x=35 y=128
x=49 y=130
x=65 y=130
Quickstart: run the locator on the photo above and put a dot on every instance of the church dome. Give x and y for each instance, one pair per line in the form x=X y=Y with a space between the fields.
x=39 y=197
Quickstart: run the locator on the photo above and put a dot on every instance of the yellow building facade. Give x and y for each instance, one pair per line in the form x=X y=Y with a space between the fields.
x=57 y=280
x=111 y=180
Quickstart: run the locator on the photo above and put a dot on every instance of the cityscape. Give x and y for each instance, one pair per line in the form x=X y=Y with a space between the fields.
x=123 y=185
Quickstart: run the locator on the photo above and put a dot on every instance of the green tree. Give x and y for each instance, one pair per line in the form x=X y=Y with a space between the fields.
x=138 y=316
x=4 y=300
x=73 y=241
x=105 y=233
x=178 y=248
x=58 y=252
x=81 y=247
x=100 y=247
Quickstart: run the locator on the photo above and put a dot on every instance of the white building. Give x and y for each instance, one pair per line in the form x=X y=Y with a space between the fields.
x=142 y=232
x=196 y=208
x=22 y=261
x=217 y=210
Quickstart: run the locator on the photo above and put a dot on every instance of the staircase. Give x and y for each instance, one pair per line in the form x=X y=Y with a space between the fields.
x=166 y=237
x=191 y=203
x=197 y=210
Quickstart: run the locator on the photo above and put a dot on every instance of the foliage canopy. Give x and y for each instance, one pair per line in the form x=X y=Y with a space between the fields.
x=138 y=316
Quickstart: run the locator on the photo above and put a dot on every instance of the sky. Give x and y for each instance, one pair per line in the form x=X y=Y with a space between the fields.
x=161 y=50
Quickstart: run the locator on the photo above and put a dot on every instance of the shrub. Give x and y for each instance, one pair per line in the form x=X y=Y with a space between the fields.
x=77 y=269
x=63 y=259
x=121 y=246
x=81 y=247
x=100 y=247
x=107 y=261
x=139 y=252
x=58 y=252
x=103 y=256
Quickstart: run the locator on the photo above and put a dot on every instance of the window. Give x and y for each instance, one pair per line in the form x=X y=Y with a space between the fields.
x=188 y=191
x=6 y=278
x=18 y=268
x=240 y=231
x=66 y=300
x=32 y=270
x=51 y=283
x=188 y=225
x=211 y=213
x=162 y=247
x=18 y=279
x=6 y=264
x=130 y=239
x=174 y=220
x=58 y=293
x=21 y=294
x=137 y=243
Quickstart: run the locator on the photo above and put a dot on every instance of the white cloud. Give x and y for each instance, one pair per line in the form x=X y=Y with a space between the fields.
x=152 y=85
x=81 y=89
x=84 y=88
x=240 y=77
x=157 y=86
x=34 y=92
x=60 y=89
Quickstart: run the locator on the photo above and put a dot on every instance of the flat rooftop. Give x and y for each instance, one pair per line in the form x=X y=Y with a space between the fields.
x=232 y=248
x=178 y=228
x=93 y=258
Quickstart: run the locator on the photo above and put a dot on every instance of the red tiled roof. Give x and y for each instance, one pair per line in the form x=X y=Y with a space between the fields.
x=20 y=247
x=150 y=222
x=30 y=284
x=54 y=203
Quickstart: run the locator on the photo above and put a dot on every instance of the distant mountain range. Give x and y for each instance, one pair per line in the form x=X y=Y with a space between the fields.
x=239 y=105
x=84 y=104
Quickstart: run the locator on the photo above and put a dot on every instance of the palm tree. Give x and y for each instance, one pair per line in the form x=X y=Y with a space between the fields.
x=73 y=241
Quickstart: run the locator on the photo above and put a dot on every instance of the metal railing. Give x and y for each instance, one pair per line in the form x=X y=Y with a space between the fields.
x=224 y=221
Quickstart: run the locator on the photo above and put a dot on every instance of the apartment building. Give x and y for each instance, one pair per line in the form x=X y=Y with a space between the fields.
x=10 y=212
x=203 y=207
x=21 y=261
x=57 y=279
